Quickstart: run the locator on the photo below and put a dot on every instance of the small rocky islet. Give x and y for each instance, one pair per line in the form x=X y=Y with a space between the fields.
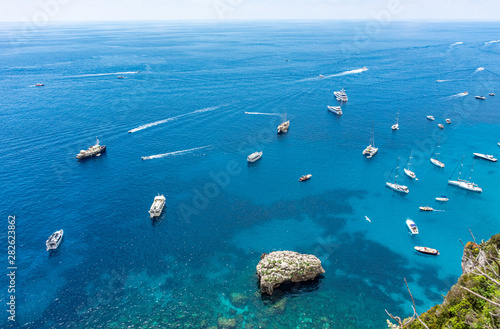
x=278 y=267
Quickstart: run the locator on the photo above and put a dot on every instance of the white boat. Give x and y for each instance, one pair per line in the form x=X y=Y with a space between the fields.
x=426 y=250
x=434 y=159
x=395 y=186
x=442 y=198
x=485 y=156
x=411 y=226
x=462 y=183
x=407 y=170
x=492 y=94
x=305 y=177
x=448 y=121
x=440 y=126
x=54 y=240
x=481 y=98
x=39 y=85
x=157 y=206
x=426 y=208
x=371 y=150
x=94 y=150
x=396 y=125
x=430 y=117
x=341 y=95
x=254 y=156
x=335 y=109
x=283 y=127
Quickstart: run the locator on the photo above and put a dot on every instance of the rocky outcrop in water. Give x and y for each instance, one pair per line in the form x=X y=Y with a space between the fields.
x=282 y=266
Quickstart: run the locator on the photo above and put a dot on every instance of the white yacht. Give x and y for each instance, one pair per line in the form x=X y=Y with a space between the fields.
x=396 y=125
x=395 y=186
x=341 y=95
x=462 y=183
x=407 y=170
x=485 y=156
x=94 y=150
x=434 y=157
x=283 y=127
x=371 y=150
x=54 y=240
x=412 y=226
x=254 y=156
x=335 y=109
x=157 y=206
x=430 y=117
x=442 y=198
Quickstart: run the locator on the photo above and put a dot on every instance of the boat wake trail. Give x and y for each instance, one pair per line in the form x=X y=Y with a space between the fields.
x=322 y=77
x=258 y=113
x=170 y=154
x=459 y=95
x=102 y=74
x=152 y=124
x=443 y=80
x=490 y=42
x=457 y=43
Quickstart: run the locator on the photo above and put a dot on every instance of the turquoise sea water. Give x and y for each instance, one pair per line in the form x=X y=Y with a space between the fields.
x=196 y=264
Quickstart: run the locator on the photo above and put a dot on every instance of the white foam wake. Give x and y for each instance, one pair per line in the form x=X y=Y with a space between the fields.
x=152 y=124
x=493 y=41
x=443 y=80
x=103 y=74
x=258 y=113
x=457 y=43
x=363 y=69
x=459 y=95
x=175 y=153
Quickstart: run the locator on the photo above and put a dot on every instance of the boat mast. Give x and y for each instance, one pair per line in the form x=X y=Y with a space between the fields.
x=471 y=170
x=397 y=167
x=437 y=149
x=373 y=136
x=460 y=171
x=408 y=162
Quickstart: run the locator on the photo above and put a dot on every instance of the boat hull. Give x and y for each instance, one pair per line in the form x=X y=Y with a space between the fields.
x=398 y=188
x=437 y=163
x=485 y=157
x=412 y=227
x=427 y=251
x=93 y=154
x=409 y=173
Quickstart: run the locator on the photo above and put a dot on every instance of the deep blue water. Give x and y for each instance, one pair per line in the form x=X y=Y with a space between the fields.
x=117 y=268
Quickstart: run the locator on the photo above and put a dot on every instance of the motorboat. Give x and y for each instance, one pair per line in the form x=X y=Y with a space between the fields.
x=442 y=198
x=395 y=186
x=157 y=206
x=396 y=125
x=485 y=156
x=434 y=157
x=440 y=126
x=481 y=98
x=430 y=117
x=121 y=77
x=305 y=177
x=94 y=150
x=426 y=250
x=39 y=85
x=254 y=156
x=407 y=170
x=321 y=76
x=448 y=121
x=371 y=150
x=54 y=240
x=341 y=95
x=335 y=109
x=426 y=208
x=283 y=127
x=491 y=94
x=412 y=227
x=462 y=183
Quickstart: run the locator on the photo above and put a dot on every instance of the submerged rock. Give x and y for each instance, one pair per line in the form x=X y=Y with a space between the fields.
x=281 y=266
x=225 y=323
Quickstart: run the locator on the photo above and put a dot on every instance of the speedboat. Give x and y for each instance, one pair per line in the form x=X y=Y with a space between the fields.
x=426 y=250
x=121 y=77
x=469 y=186
x=94 y=150
x=426 y=208
x=442 y=198
x=485 y=156
x=371 y=150
x=395 y=186
x=448 y=121
x=341 y=95
x=157 y=206
x=440 y=126
x=39 y=85
x=54 y=240
x=430 y=117
x=305 y=177
x=335 y=109
x=254 y=156
x=481 y=98
x=491 y=94
x=411 y=226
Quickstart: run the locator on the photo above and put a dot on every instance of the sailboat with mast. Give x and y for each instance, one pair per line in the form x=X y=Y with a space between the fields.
x=396 y=125
x=462 y=183
x=434 y=157
x=407 y=170
x=395 y=186
x=371 y=150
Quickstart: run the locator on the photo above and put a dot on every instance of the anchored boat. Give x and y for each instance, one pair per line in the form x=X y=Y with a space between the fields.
x=426 y=250
x=157 y=206
x=407 y=170
x=395 y=186
x=434 y=159
x=305 y=177
x=335 y=109
x=341 y=95
x=371 y=150
x=254 y=156
x=485 y=156
x=94 y=150
x=412 y=227
x=54 y=240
